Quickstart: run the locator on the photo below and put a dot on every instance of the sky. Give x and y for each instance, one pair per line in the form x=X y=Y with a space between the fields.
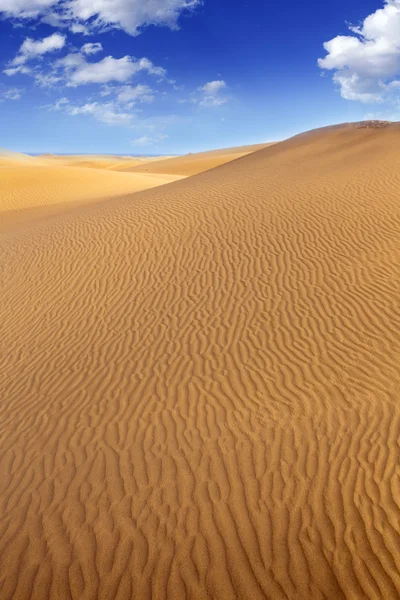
x=176 y=76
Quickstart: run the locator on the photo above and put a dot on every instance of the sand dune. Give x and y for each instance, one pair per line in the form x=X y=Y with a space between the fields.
x=192 y=164
x=7 y=157
x=200 y=384
x=97 y=161
x=28 y=192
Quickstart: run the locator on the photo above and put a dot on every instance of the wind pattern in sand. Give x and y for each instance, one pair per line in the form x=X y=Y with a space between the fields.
x=200 y=385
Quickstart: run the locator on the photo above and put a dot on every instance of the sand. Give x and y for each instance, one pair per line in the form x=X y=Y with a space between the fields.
x=192 y=164
x=30 y=191
x=97 y=161
x=200 y=384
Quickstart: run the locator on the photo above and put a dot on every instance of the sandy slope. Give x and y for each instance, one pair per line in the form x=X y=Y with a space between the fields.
x=200 y=385
x=97 y=161
x=31 y=191
x=192 y=164
x=8 y=157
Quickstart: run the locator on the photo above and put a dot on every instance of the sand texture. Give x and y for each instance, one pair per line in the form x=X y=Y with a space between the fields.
x=31 y=191
x=192 y=164
x=200 y=384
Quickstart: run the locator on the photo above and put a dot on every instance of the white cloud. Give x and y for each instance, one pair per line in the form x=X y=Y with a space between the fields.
x=11 y=94
x=211 y=94
x=213 y=101
x=91 y=48
x=59 y=104
x=109 y=113
x=32 y=49
x=78 y=71
x=367 y=63
x=146 y=140
x=10 y=71
x=130 y=15
x=105 y=113
x=212 y=88
x=79 y=28
x=24 y=9
x=140 y=93
x=78 y=68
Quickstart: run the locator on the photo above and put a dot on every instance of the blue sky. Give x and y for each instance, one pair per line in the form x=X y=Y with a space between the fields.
x=176 y=76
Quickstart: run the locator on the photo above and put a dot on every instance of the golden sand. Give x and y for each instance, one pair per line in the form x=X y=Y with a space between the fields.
x=200 y=384
x=192 y=164
x=97 y=161
x=30 y=191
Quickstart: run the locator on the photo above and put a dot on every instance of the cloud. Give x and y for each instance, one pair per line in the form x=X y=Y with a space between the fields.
x=129 y=15
x=76 y=68
x=10 y=71
x=78 y=71
x=140 y=93
x=24 y=9
x=91 y=48
x=11 y=94
x=32 y=49
x=60 y=104
x=109 y=113
x=213 y=101
x=211 y=94
x=367 y=63
x=145 y=140
x=105 y=113
x=212 y=88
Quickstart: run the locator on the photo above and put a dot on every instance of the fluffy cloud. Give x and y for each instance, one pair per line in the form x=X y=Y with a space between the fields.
x=32 y=49
x=75 y=69
x=211 y=93
x=78 y=71
x=130 y=15
x=212 y=88
x=91 y=48
x=24 y=9
x=367 y=63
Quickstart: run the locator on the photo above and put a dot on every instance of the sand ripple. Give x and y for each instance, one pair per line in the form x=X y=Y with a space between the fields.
x=200 y=385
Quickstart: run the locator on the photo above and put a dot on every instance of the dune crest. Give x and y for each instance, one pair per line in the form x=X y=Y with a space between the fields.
x=194 y=163
x=200 y=384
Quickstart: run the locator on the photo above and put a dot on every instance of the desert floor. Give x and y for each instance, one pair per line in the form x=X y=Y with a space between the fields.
x=200 y=382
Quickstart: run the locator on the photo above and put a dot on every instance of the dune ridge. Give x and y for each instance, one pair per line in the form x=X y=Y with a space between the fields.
x=32 y=191
x=200 y=384
x=97 y=161
x=194 y=163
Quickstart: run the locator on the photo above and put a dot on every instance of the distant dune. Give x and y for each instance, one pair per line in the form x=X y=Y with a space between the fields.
x=28 y=192
x=200 y=384
x=192 y=164
x=96 y=161
x=34 y=187
x=7 y=156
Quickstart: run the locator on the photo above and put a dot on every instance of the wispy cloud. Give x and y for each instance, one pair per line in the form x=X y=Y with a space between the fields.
x=109 y=113
x=140 y=93
x=34 y=49
x=11 y=94
x=147 y=141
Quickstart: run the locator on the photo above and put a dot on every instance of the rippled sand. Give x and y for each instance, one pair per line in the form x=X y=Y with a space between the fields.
x=200 y=384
